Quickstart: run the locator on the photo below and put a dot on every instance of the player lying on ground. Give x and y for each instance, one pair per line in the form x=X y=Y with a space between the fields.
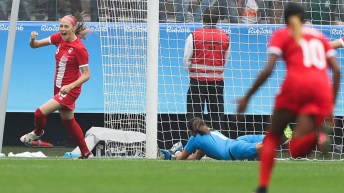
x=206 y=141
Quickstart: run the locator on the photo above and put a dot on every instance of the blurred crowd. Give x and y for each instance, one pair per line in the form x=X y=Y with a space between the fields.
x=48 y=10
x=324 y=12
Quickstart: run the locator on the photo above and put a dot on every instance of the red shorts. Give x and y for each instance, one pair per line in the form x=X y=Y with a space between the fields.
x=306 y=101
x=67 y=100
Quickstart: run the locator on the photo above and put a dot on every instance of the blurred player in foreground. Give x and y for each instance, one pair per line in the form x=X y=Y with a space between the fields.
x=206 y=141
x=306 y=94
x=71 y=58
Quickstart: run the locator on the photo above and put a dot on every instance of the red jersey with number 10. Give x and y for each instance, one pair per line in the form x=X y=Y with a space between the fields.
x=308 y=58
x=307 y=86
x=70 y=56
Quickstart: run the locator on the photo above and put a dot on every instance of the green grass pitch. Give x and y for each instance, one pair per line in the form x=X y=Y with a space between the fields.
x=58 y=175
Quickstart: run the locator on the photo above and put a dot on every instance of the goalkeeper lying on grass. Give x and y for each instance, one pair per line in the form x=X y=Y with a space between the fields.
x=206 y=141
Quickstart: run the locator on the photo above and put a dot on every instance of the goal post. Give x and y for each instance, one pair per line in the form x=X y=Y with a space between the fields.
x=130 y=69
x=152 y=78
x=7 y=67
x=145 y=83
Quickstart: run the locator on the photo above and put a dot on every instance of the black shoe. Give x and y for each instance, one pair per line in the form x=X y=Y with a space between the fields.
x=86 y=156
x=261 y=190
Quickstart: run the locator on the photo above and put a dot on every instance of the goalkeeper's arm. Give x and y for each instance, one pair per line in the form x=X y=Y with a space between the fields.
x=184 y=155
x=197 y=155
x=187 y=155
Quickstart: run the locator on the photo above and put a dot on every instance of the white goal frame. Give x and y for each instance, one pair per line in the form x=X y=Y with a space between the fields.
x=169 y=80
x=7 y=67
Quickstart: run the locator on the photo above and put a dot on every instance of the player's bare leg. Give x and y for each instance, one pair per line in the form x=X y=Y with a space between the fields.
x=280 y=119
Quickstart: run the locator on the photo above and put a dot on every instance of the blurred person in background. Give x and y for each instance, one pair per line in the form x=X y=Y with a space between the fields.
x=340 y=9
x=56 y=9
x=25 y=9
x=94 y=11
x=227 y=8
x=248 y=11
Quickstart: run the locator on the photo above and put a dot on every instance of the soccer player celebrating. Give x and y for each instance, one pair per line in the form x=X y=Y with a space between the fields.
x=71 y=57
x=306 y=95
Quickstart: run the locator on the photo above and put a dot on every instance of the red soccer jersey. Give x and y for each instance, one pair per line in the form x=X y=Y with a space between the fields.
x=70 y=56
x=306 y=87
x=305 y=59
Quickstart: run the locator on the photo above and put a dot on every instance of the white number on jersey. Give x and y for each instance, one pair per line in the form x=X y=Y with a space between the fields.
x=313 y=53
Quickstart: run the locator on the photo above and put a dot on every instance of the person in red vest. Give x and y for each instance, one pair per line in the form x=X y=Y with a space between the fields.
x=205 y=55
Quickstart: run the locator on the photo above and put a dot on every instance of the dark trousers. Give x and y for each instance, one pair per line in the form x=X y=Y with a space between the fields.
x=210 y=93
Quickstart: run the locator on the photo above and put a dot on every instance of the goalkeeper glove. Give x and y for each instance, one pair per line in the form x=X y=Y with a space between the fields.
x=177 y=147
x=168 y=155
x=165 y=154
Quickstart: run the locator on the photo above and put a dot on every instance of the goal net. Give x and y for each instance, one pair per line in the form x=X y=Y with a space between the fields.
x=126 y=43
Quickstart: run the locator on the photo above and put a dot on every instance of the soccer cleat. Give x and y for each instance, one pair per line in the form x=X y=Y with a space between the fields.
x=288 y=134
x=323 y=141
x=86 y=156
x=39 y=143
x=261 y=190
x=29 y=137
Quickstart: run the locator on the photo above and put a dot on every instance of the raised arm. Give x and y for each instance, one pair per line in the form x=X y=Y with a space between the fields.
x=336 y=44
x=34 y=43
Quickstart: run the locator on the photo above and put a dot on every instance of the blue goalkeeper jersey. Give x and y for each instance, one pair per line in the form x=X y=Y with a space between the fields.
x=213 y=144
x=217 y=146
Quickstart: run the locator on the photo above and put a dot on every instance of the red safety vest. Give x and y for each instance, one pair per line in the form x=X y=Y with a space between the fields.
x=209 y=54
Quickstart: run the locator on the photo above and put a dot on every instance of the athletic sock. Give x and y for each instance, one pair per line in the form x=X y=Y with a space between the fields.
x=77 y=134
x=267 y=158
x=300 y=147
x=40 y=121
